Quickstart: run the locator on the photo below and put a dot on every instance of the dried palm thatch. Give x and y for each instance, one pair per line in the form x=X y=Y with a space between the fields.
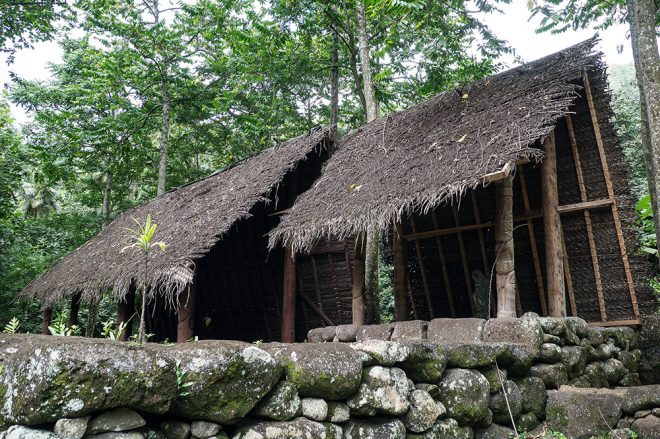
x=191 y=219
x=432 y=153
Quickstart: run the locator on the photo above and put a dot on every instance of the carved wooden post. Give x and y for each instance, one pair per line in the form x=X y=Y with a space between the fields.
x=47 y=319
x=554 y=254
x=125 y=311
x=186 y=315
x=75 y=308
x=401 y=306
x=505 y=274
x=358 y=280
x=289 y=297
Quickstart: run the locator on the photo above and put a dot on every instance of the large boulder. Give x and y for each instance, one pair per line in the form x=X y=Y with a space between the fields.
x=514 y=330
x=534 y=396
x=472 y=355
x=424 y=411
x=383 y=390
x=119 y=419
x=426 y=361
x=410 y=330
x=375 y=429
x=46 y=378
x=21 y=432
x=281 y=404
x=641 y=398
x=383 y=353
x=331 y=371
x=375 y=332
x=466 y=394
x=71 y=428
x=583 y=413
x=647 y=427
x=553 y=375
x=227 y=379
x=503 y=407
x=299 y=428
x=468 y=330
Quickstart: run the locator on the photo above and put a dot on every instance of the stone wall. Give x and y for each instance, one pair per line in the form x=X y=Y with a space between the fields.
x=409 y=380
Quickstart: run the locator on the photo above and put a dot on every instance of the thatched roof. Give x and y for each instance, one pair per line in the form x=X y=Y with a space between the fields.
x=191 y=219
x=425 y=156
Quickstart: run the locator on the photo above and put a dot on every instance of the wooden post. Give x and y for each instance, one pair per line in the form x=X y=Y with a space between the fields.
x=125 y=312
x=185 y=328
x=401 y=306
x=289 y=297
x=358 y=281
x=73 y=311
x=47 y=319
x=554 y=254
x=505 y=274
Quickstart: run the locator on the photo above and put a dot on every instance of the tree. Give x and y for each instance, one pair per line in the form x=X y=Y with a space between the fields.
x=643 y=16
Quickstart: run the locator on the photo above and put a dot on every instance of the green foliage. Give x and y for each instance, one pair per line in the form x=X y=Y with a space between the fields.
x=108 y=329
x=12 y=327
x=60 y=327
x=386 y=291
x=648 y=238
x=182 y=381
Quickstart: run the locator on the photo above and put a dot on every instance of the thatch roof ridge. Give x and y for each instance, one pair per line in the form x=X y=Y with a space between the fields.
x=191 y=219
x=431 y=153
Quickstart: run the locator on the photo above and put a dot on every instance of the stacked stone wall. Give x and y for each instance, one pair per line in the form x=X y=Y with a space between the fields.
x=448 y=378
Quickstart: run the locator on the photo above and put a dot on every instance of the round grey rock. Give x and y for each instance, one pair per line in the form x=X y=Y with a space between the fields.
x=204 y=429
x=423 y=412
x=338 y=412
x=21 y=432
x=175 y=429
x=119 y=419
x=383 y=390
x=375 y=429
x=281 y=404
x=466 y=394
x=71 y=428
x=315 y=409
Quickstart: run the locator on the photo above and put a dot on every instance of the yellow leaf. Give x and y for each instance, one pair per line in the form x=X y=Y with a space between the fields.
x=462 y=138
x=465 y=96
x=354 y=187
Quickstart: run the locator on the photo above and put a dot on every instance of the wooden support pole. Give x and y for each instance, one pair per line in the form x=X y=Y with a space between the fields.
x=552 y=230
x=505 y=274
x=532 y=239
x=289 y=297
x=401 y=306
x=74 y=310
x=125 y=312
x=358 y=280
x=185 y=328
x=610 y=192
x=47 y=319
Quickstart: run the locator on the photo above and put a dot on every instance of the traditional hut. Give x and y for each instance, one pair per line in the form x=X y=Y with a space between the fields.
x=509 y=193
x=216 y=273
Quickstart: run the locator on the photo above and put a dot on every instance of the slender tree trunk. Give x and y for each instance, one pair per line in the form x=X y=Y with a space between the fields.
x=641 y=14
x=92 y=314
x=164 y=134
x=47 y=319
x=371 y=106
x=74 y=310
x=365 y=62
x=107 y=192
x=334 y=82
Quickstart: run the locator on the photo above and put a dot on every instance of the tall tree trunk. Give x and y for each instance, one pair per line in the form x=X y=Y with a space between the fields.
x=107 y=192
x=334 y=82
x=371 y=250
x=164 y=134
x=641 y=15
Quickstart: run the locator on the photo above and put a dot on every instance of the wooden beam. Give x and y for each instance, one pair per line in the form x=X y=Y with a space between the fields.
x=538 y=273
x=74 y=309
x=289 y=297
x=584 y=205
x=587 y=221
x=610 y=193
x=504 y=172
x=422 y=270
x=316 y=309
x=401 y=306
x=466 y=228
x=552 y=231
x=631 y=322
x=505 y=274
x=443 y=265
x=569 y=281
x=47 y=320
x=125 y=312
x=185 y=328
x=357 y=309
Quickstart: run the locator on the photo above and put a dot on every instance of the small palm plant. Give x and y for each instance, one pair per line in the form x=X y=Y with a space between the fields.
x=141 y=237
